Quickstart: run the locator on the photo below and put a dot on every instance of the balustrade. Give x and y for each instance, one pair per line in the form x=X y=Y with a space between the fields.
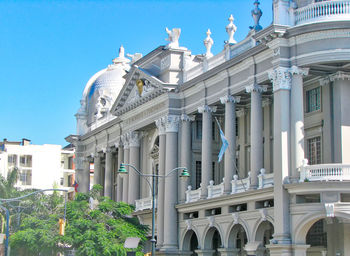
x=215 y=190
x=325 y=172
x=327 y=10
x=144 y=203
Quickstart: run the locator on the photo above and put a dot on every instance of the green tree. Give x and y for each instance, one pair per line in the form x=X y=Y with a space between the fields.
x=91 y=231
x=7 y=185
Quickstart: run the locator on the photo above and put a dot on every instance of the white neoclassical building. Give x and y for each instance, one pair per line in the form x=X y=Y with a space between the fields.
x=282 y=99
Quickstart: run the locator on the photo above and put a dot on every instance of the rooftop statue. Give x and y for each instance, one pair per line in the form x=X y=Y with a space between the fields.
x=173 y=38
x=256 y=14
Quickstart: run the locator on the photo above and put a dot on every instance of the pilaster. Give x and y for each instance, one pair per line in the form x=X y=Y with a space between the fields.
x=126 y=152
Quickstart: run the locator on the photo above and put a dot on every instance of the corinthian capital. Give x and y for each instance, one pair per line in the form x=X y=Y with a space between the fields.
x=206 y=108
x=294 y=70
x=229 y=98
x=256 y=88
x=172 y=123
x=125 y=140
x=134 y=139
x=280 y=78
x=160 y=123
x=187 y=118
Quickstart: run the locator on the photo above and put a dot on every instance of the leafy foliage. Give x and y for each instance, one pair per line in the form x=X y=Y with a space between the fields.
x=91 y=231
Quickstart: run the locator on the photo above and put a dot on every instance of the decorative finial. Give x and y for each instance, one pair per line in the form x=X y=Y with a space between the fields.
x=231 y=29
x=256 y=14
x=208 y=43
x=121 y=58
x=121 y=52
x=173 y=38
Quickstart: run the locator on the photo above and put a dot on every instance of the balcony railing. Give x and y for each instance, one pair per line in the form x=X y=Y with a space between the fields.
x=144 y=204
x=215 y=190
x=323 y=11
x=325 y=172
x=193 y=195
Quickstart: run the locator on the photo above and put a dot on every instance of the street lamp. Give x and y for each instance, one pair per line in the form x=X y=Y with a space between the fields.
x=184 y=174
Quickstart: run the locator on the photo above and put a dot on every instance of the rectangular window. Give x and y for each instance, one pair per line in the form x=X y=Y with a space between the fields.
x=25 y=177
x=26 y=161
x=12 y=160
x=237 y=126
x=199 y=130
x=213 y=131
x=213 y=173
x=70 y=163
x=314 y=150
x=198 y=173
x=313 y=100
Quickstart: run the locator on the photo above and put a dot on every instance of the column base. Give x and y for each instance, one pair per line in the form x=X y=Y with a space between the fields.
x=300 y=249
x=252 y=247
x=205 y=252
x=229 y=251
x=280 y=249
x=164 y=252
x=168 y=251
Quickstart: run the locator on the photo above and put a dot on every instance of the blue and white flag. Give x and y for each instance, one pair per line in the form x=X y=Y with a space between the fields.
x=224 y=145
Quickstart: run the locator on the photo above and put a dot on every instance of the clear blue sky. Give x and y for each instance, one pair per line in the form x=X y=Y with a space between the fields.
x=50 y=49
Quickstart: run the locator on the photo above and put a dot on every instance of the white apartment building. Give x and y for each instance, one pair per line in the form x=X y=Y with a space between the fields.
x=282 y=98
x=40 y=166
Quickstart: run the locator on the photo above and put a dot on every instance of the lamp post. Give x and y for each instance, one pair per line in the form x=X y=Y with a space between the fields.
x=184 y=174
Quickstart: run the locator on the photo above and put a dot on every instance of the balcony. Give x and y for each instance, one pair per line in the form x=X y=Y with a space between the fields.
x=237 y=186
x=325 y=172
x=144 y=204
x=323 y=11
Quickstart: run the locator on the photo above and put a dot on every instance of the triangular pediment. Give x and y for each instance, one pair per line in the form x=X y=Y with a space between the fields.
x=139 y=87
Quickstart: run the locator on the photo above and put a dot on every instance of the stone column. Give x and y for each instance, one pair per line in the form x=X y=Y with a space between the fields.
x=108 y=173
x=207 y=127
x=281 y=80
x=256 y=133
x=126 y=161
x=297 y=120
x=119 y=179
x=186 y=153
x=341 y=117
x=134 y=177
x=160 y=123
x=97 y=169
x=230 y=134
x=242 y=142
x=83 y=174
x=268 y=152
x=170 y=213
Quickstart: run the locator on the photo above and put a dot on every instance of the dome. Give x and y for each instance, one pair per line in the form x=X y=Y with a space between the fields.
x=100 y=93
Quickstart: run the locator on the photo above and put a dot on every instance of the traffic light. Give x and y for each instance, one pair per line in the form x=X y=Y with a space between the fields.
x=62 y=224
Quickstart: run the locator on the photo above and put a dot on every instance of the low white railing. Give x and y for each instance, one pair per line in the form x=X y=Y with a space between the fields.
x=215 y=190
x=144 y=203
x=240 y=185
x=325 y=172
x=327 y=10
x=193 y=195
x=265 y=180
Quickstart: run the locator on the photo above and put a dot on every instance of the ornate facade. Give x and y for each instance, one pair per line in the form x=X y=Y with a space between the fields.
x=281 y=97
